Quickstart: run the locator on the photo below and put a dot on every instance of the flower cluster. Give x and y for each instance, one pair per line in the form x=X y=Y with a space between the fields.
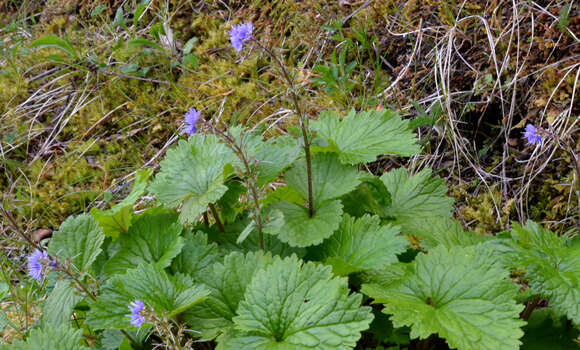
x=531 y=134
x=191 y=117
x=136 y=318
x=37 y=263
x=239 y=34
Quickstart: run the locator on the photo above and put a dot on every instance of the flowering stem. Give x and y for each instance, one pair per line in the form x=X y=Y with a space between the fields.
x=303 y=125
x=78 y=284
x=216 y=216
x=251 y=179
x=82 y=287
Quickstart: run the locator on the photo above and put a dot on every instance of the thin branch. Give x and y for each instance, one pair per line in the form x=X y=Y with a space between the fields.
x=303 y=125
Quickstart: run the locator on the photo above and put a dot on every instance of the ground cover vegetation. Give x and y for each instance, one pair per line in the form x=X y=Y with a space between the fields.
x=290 y=175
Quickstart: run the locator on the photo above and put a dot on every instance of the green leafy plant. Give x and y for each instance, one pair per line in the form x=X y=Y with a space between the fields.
x=286 y=242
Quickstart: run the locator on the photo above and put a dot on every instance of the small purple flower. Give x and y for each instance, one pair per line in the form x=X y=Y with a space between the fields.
x=37 y=261
x=191 y=118
x=532 y=136
x=136 y=318
x=240 y=34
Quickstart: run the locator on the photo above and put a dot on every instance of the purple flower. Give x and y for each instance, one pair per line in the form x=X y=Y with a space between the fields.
x=532 y=135
x=136 y=318
x=37 y=261
x=191 y=118
x=240 y=34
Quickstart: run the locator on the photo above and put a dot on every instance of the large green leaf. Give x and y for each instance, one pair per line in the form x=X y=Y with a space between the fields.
x=60 y=304
x=196 y=257
x=552 y=266
x=150 y=284
x=298 y=229
x=227 y=282
x=361 y=244
x=78 y=239
x=296 y=305
x=416 y=200
x=154 y=237
x=361 y=137
x=62 y=337
x=462 y=294
x=330 y=178
x=193 y=174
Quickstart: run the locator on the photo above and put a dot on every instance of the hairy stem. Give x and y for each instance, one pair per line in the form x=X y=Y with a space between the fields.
x=303 y=124
x=77 y=282
x=251 y=178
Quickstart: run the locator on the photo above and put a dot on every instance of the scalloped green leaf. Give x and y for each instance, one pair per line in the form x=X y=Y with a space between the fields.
x=78 y=239
x=154 y=237
x=330 y=178
x=362 y=244
x=462 y=294
x=60 y=304
x=197 y=256
x=63 y=337
x=149 y=283
x=193 y=174
x=551 y=264
x=298 y=229
x=449 y=233
x=227 y=283
x=416 y=200
x=361 y=137
x=295 y=305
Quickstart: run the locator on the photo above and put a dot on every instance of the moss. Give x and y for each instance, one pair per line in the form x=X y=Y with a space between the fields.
x=127 y=121
x=481 y=212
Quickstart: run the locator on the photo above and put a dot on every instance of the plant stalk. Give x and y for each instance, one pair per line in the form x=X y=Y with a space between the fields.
x=303 y=125
x=78 y=284
x=252 y=181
